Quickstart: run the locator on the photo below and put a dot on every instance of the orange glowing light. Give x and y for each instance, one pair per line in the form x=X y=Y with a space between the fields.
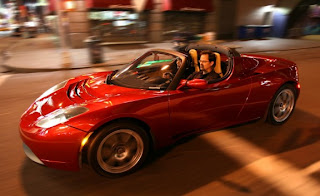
x=70 y=5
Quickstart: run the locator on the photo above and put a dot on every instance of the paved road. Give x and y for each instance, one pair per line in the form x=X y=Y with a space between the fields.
x=251 y=159
x=6 y=43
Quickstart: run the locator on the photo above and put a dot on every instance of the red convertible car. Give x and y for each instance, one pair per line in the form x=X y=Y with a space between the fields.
x=114 y=120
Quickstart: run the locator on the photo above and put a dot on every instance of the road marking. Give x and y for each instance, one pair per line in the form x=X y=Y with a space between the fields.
x=3 y=78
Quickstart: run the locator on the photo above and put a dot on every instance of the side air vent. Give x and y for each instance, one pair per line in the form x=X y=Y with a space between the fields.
x=77 y=92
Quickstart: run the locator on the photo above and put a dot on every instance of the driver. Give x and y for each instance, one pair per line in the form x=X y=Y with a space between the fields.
x=174 y=68
x=207 y=64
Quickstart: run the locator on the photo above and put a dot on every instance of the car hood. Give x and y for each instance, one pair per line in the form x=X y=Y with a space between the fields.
x=84 y=90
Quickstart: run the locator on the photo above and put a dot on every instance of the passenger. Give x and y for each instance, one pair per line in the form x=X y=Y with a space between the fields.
x=207 y=64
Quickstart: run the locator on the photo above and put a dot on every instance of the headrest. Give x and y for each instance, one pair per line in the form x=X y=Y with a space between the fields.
x=217 y=68
x=194 y=55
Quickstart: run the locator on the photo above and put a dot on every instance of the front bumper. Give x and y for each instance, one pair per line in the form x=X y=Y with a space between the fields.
x=57 y=147
x=31 y=155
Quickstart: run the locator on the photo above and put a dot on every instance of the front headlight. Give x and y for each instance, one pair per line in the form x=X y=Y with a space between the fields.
x=53 y=89
x=60 y=116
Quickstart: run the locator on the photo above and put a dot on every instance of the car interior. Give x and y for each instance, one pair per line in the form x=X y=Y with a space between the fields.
x=221 y=63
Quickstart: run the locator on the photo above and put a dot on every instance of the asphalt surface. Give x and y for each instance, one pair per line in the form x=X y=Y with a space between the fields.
x=250 y=159
x=6 y=44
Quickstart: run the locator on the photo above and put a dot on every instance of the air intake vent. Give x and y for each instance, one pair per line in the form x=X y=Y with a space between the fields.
x=77 y=92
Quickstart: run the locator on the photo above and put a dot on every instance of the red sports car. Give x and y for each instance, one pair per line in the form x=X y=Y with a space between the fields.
x=114 y=120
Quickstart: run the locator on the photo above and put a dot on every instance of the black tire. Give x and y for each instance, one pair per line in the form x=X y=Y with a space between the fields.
x=282 y=105
x=118 y=149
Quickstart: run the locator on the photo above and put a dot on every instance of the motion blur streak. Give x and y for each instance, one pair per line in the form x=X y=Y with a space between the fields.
x=3 y=78
x=315 y=167
x=280 y=174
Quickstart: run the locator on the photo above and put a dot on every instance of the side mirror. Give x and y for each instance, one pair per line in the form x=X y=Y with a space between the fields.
x=195 y=83
x=182 y=84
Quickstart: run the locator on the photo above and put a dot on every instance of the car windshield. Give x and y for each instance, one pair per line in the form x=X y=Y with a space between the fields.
x=154 y=70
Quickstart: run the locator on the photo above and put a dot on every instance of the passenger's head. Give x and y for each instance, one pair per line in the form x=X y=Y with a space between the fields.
x=207 y=59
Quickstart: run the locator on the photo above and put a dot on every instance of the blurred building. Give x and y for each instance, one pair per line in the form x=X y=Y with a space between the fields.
x=304 y=19
x=120 y=21
x=115 y=21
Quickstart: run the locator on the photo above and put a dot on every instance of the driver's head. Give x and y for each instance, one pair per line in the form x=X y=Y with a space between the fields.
x=207 y=59
x=179 y=63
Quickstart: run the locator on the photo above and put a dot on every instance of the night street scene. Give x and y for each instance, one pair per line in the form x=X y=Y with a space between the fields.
x=160 y=97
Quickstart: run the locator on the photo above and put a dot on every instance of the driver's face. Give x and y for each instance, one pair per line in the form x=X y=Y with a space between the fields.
x=205 y=64
x=179 y=63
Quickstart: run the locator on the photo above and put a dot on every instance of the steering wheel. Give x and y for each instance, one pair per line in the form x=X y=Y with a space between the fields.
x=167 y=75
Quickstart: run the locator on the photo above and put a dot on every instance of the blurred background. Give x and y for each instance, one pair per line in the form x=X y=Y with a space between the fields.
x=159 y=20
x=44 y=42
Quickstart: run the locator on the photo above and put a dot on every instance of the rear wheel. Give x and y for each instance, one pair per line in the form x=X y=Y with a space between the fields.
x=118 y=149
x=282 y=105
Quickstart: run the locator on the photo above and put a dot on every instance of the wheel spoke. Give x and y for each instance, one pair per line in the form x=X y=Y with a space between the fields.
x=277 y=111
x=124 y=161
x=127 y=159
x=130 y=139
x=122 y=137
x=106 y=152
x=278 y=101
x=118 y=137
x=131 y=143
x=283 y=97
x=112 y=140
x=289 y=101
x=133 y=150
x=126 y=137
x=106 y=145
x=112 y=161
x=105 y=157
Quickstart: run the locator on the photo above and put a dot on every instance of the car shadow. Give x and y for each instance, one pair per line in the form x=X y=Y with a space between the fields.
x=191 y=164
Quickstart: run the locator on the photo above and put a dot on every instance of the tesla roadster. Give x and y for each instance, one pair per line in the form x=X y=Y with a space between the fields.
x=114 y=120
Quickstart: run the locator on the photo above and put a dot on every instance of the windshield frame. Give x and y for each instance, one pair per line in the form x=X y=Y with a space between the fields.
x=173 y=83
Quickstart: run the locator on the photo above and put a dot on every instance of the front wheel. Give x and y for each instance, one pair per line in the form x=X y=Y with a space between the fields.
x=282 y=105
x=118 y=149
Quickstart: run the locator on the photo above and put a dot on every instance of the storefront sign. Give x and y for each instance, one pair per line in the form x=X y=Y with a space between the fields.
x=187 y=5
x=138 y=5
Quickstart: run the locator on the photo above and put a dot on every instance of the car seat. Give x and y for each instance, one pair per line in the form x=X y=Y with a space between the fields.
x=194 y=55
x=217 y=68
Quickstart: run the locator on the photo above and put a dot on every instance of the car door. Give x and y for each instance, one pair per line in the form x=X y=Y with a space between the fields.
x=192 y=110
